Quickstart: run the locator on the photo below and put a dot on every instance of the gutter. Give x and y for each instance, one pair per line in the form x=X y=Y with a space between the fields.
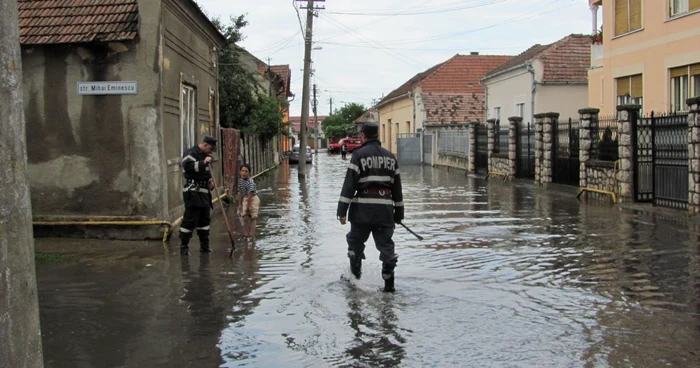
x=393 y=99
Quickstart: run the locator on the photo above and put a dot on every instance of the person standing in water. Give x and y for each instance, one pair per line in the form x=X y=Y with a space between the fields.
x=248 y=202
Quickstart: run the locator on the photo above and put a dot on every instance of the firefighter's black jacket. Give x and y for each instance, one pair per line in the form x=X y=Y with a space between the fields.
x=372 y=187
x=197 y=174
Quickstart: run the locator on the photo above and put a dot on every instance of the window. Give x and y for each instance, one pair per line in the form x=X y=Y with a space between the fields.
x=685 y=83
x=630 y=90
x=628 y=16
x=678 y=7
x=188 y=118
x=519 y=109
x=497 y=113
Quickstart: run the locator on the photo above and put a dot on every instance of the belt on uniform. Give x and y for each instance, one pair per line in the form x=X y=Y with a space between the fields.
x=375 y=191
x=196 y=186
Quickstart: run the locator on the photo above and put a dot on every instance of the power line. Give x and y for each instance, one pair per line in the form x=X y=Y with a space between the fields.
x=420 y=12
x=360 y=45
x=381 y=47
x=276 y=43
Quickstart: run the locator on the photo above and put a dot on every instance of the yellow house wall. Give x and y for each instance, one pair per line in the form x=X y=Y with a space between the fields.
x=661 y=44
x=395 y=117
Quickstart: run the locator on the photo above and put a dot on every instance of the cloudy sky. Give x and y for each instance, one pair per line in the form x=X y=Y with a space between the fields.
x=370 y=47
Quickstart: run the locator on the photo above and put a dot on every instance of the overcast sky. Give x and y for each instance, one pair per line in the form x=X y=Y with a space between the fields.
x=370 y=47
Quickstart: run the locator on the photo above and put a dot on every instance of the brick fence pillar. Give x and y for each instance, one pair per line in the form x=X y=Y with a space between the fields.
x=472 y=146
x=694 y=156
x=548 y=121
x=491 y=131
x=513 y=142
x=539 y=123
x=589 y=117
x=626 y=127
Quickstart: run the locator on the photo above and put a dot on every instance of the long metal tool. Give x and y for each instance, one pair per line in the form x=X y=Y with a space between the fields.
x=411 y=231
x=223 y=212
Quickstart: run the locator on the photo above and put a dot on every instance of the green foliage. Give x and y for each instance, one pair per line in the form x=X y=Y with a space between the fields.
x=340 y=123
x=240 y=106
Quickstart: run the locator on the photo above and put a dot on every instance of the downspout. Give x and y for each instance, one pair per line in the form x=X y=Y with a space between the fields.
x=532 y=92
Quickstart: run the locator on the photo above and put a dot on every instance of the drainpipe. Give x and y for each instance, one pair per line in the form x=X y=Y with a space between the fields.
x=532 y=92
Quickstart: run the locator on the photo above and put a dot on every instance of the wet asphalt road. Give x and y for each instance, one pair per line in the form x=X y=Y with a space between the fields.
x=508 y=276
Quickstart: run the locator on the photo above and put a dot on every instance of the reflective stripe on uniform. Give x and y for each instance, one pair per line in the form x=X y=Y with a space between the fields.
x=354 y=167
x=398 y=204
x=379 y=179
x=203 y=228
x=183 y=230
x=364 y=200
x=195 y=189
x=345 y=199
x=188 y=158
x=398 y=172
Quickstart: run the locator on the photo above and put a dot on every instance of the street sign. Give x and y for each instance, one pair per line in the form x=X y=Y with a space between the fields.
x=107 y=88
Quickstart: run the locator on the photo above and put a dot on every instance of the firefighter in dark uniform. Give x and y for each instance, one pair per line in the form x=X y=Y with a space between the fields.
x=372 y=191
x=197 y=195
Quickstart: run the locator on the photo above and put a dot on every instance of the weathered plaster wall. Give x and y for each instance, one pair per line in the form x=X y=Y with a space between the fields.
x=189 y=57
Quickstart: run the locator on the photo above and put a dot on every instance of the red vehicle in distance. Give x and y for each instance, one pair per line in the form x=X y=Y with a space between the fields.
x=351 y=142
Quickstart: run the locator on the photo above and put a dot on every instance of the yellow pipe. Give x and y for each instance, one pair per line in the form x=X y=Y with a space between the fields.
x=610 y=192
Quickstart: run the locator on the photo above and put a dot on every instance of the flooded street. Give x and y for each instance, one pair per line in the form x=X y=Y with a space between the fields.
x=509 y=275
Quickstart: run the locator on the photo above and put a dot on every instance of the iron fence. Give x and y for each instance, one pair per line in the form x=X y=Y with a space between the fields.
x=604 y=139
x=453 y=142
x=482 y=156
x=500 y=138
x=565 y=152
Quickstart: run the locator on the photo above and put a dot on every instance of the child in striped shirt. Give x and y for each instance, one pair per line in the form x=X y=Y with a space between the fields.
x=248 y=202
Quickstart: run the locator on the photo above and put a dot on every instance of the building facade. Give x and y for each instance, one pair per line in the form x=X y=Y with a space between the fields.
x=112 y=100
x=544 y=78
x=647 y=54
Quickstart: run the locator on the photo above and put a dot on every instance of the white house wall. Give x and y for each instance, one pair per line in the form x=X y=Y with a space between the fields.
x=564 y=99
x=508 y=90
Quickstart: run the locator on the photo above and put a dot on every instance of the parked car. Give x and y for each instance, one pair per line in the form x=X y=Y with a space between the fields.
x=351 y=142
x=294 y=157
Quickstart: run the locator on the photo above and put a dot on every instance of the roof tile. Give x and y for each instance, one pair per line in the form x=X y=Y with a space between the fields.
x=77 y=21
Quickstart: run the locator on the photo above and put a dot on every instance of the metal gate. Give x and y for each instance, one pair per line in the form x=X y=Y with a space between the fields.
x=482 y=148
x=408 y=148
x=643 y=159
x=565 y=165
x=525 y=151
x=428 y=149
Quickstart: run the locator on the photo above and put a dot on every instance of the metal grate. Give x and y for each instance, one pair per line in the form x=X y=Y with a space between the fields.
x=454 y=142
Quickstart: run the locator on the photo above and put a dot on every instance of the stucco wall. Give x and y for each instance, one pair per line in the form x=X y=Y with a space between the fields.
x=508 y=90
x=662 y=44
x=188 y=58
x=394 y=118
x=564 y=99
x=94 y=155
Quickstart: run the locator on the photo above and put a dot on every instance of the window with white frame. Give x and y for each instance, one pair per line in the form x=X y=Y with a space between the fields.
x=630 y=90
x=520 y=109
x=685 y=83
x=188 y=117
x=679 y=7
x=497 y=113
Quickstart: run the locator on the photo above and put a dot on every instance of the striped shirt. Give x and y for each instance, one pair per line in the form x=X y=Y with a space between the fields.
x=246 y=186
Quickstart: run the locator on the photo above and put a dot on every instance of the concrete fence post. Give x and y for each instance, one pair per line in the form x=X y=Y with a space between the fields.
x=471 y=131
x=694 y=155
x=626 y=127
x=589 y=117
x=491 y=134
x=514 y=121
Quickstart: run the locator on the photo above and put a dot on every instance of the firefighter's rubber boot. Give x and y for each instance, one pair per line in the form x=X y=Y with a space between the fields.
x=203 y=241
x=388 y=273
x=184 y=243
x=356 y=264
x=389 y=285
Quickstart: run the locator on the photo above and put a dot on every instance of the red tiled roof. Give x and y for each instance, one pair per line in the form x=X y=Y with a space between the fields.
x=566 y=60
x=77 y=21
x=454 y=108
x=404 y=88
x=461 y=74
x=286 y=74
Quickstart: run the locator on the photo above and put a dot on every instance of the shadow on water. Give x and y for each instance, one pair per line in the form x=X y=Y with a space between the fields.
x=509 y=274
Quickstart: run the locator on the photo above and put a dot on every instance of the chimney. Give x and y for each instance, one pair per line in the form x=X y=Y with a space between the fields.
x=474 y=53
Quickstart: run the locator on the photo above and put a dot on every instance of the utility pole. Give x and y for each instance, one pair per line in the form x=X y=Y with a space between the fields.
x=20 y=331
x=305 y=92
x=316 y=122
x=331 y=109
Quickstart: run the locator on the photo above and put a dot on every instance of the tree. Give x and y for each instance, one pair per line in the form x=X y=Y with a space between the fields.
x=341 y=122
x=20 y=334
x=240 y=105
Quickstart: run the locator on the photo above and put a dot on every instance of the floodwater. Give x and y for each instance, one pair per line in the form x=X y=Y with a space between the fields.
x=509 y=275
